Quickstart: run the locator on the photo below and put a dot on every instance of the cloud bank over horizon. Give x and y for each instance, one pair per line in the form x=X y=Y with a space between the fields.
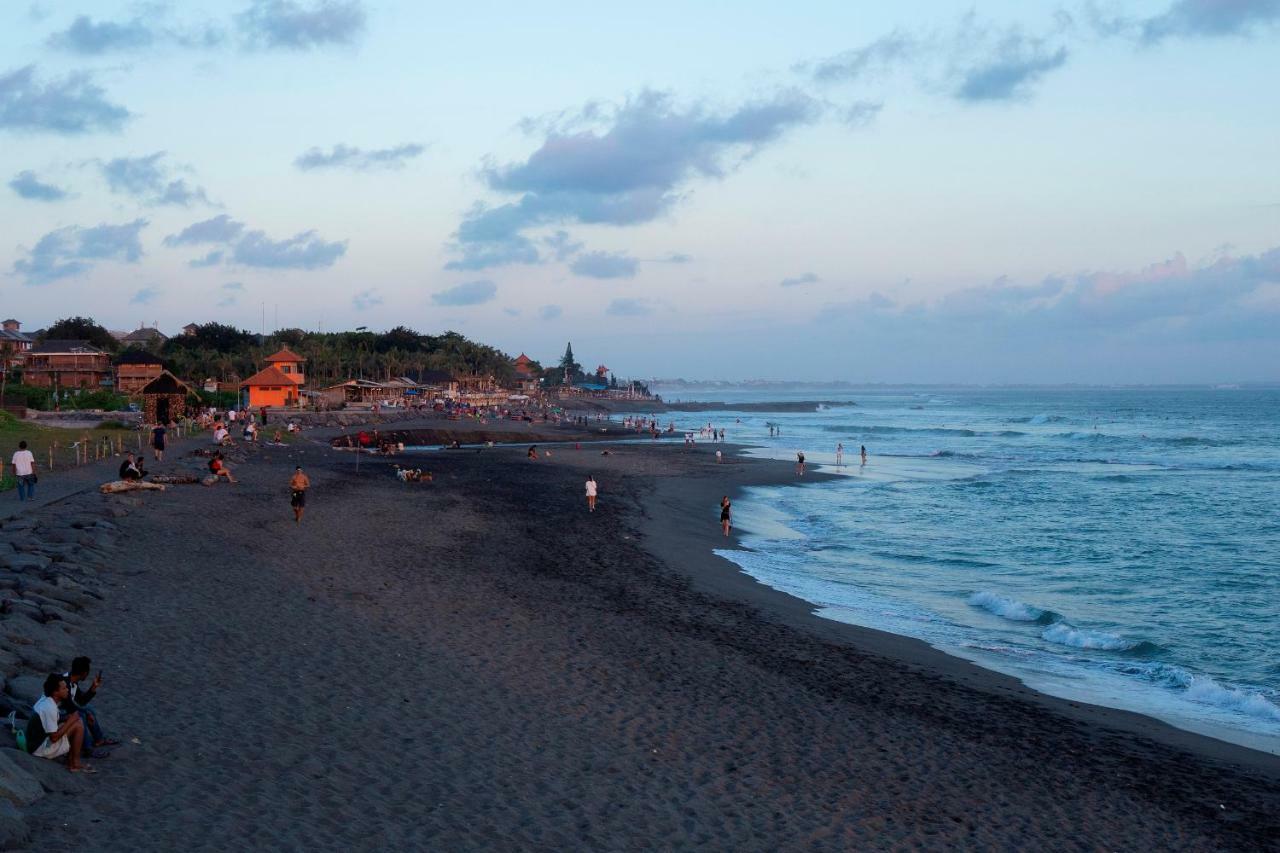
x=927 y=193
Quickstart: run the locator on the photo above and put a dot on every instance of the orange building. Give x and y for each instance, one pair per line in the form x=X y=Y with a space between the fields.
x=524 y=365
x=279 y=383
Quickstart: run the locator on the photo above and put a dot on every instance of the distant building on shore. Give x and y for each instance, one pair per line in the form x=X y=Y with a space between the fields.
x=136 y=367
x=279 y=383
x=67 y=364
x=14 y=343
x=143 y=336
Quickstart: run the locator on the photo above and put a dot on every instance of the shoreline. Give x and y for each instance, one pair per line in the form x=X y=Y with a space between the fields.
x=722 y=577
x=570 y=680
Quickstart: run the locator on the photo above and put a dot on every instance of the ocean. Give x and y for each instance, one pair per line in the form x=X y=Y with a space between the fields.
x=1120 y=547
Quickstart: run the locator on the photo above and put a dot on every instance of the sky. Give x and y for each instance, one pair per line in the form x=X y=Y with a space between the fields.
x=989 y=193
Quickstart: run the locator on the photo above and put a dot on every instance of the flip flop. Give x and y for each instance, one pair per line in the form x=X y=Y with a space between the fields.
x=108 y=741
x=83 y=768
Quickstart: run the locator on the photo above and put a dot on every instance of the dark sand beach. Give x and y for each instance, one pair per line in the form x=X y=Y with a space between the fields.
x=478 y=663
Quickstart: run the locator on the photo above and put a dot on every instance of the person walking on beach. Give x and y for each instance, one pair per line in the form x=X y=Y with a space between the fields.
x=24 y=468
x=533 y=452
x=800 y=463
x=726 y=515
x=298 y=485
x=158 y=433
x=591 y=493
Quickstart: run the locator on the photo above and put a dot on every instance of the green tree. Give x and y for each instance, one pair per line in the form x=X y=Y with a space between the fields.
x=81 y=329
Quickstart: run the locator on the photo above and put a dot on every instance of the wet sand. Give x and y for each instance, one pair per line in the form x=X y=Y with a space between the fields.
x=478 y=663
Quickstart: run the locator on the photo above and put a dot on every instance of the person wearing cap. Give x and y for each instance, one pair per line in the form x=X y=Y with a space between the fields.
x=298 y=485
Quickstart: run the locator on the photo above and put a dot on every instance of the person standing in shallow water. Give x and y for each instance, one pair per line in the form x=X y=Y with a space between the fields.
x=298 y=485
x=591 y=493
x=839 y=454
x=726 y=515
x=800 y=463
x=864 y=454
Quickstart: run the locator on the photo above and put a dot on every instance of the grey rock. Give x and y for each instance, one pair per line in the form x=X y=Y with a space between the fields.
x=24 y=562
x=26 y=689
x=17 y=786
x=14 y=833
x=52 y=775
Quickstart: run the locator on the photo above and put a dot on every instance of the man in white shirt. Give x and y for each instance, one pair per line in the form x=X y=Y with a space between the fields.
x=58 y=740
x=24 y=468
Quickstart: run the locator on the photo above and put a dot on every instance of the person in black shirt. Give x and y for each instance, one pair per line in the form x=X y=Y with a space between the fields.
x=131 y=468
x=77 y=702
x=157 y=441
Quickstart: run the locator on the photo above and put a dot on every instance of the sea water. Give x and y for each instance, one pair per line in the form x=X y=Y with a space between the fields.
x=1120 y=547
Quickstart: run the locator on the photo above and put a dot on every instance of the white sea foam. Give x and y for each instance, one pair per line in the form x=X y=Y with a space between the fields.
x=1201 y=688
x=1211 y=692
x=1064 y=634
x=1006 y=607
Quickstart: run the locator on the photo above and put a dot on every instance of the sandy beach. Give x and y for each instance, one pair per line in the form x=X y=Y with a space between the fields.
x=478 y=663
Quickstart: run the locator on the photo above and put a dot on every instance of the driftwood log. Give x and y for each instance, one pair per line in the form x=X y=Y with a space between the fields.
x=118 y=486
x=174 y=479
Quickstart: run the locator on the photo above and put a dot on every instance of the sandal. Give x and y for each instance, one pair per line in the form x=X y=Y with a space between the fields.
x=108 y=741
x=83 y=768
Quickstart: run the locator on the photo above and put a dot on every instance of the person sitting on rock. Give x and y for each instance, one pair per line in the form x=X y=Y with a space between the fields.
x=131 y=468
x=77 y=702
x=46 y=737
x=218 y=468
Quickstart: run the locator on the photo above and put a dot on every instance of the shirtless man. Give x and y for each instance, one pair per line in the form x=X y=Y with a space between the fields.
x=298 y=485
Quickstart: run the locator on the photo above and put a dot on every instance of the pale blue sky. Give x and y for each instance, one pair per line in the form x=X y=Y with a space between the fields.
x=941 y=192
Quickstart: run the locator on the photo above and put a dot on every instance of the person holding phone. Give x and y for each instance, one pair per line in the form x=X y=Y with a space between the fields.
x=78 y=699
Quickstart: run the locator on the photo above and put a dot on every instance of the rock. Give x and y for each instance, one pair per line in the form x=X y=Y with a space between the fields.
x=27 y=689
x=52 y=775
x=14 y=833
x=17 y=786
x=55 y=550
x=24 y=562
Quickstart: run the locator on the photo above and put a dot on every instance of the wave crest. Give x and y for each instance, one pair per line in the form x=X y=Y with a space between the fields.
x=1066 y=634
x=1009 y=608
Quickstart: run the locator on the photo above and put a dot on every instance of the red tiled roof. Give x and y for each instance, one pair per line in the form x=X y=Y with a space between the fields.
x=269 y=376
x=285 y=354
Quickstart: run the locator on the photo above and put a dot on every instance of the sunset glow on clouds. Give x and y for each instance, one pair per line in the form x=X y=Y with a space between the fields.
x=953 y=193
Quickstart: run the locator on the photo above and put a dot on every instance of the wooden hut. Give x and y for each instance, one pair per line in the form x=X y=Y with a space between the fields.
x=164 y=399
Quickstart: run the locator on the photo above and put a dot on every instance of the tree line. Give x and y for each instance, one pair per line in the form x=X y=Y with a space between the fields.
x=225 y=353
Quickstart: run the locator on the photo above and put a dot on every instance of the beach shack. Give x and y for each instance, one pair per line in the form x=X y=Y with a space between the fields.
x=164 y=399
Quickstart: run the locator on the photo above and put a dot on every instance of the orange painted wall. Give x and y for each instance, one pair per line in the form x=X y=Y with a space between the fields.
x=271 y=395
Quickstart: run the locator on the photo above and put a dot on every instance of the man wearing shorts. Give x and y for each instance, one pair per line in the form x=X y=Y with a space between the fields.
x=591 y=493
x=46 y=738
x=298 y=485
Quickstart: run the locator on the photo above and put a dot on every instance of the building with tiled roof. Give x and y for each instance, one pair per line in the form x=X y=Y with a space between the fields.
x=67 y=364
